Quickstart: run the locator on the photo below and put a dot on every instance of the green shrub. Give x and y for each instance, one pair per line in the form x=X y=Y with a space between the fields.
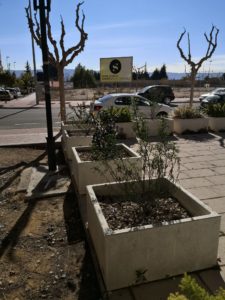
x=119 y=114
x=215 y=110
x=187 y=112
x=191 y=290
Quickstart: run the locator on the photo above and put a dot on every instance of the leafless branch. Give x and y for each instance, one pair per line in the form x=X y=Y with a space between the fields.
x=51 y=39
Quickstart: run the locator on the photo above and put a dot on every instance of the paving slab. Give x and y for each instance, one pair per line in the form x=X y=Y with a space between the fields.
x=195 y=182
x=160 y=290
x=123 y=294
x=44 y=183
x=222 y=224
x=200 y=173
x=219 y=170
x=218 y=179
x=213 y=278
x=204 y=192
x=221 y=251
x=216 y=204
x=24 y=180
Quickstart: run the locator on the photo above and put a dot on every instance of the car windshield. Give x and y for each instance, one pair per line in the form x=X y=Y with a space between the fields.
x=218 y=90
x=144 y=89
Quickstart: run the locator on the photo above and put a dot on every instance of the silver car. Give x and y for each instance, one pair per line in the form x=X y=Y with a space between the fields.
x=218 y=91
x=145 y=107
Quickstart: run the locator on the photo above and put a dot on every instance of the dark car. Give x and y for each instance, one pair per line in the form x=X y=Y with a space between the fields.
x=5 y=95
x=158 y=93
x=213 y=99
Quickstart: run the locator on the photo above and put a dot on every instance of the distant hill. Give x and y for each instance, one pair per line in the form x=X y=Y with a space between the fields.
x=68 y=73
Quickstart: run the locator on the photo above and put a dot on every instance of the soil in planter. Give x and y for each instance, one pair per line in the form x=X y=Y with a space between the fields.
x=121 y=214
x=86 y=155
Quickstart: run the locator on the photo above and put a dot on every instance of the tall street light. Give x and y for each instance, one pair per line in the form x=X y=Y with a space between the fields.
x=42 y=6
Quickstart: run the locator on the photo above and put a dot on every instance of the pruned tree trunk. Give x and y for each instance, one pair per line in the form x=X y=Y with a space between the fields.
x=193 y=76
x=195 y=66
x=67 y=56
x=62 y=93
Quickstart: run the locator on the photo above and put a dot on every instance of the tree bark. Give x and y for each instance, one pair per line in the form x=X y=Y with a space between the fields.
x=62 y=93
x=193 y=76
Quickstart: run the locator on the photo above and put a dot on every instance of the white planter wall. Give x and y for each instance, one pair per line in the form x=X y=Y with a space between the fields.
x=87 y=172
x=194 y=125
x=153 y=126
x=217 y=124
x=182 y=246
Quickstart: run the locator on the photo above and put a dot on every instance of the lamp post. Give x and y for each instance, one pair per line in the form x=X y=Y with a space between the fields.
x=42 y=6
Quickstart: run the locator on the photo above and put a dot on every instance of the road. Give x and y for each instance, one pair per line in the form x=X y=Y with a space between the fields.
x=23 y=113
x=15 y=118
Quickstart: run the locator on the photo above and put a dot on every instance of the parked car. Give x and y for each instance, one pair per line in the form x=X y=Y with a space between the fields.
x=158 y=93
x=14 y=91
x=218 y=91
x=145 y=107
x=213 y=99
x=5 y=95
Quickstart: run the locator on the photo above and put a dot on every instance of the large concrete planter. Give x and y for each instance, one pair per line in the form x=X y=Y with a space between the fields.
x=159 y=251
x=153 y=126
x=93 y=172
x=73 y=136
x=190 y=125
x=126 y=129
x=216 y=124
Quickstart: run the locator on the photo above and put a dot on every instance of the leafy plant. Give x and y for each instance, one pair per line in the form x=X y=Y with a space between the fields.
x=81 y=119
x=187 y=112
x=104 y=138
x=215 y=110
x=118 y=114
x=191 y=290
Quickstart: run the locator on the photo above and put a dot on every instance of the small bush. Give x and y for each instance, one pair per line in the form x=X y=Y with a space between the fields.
x=119 y=115
x=215 y=110
x=187 y=112
x=191 y=290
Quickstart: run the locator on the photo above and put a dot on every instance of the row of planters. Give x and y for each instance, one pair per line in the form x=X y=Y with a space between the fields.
x=192 y=120
x=142 y=224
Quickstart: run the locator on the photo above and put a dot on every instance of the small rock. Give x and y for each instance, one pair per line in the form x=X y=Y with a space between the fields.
x=38 y=261
x=51 y=272
x=63 y=276
x=56 y=277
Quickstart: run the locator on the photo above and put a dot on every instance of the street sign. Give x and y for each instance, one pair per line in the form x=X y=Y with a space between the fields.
x=116 y=69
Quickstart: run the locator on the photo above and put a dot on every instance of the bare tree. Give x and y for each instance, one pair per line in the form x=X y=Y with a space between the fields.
x=67 y=56
x=195 y=66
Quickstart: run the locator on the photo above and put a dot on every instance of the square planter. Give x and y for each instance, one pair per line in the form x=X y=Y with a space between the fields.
x=190 y=125
x=126 y=129
x=216 y=124
x=164 y=250
x=77 y=137
x=153 y=126
x=87 y=172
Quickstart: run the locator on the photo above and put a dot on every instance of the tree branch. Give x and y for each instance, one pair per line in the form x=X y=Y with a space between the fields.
x=50 y=37
x=63 y=33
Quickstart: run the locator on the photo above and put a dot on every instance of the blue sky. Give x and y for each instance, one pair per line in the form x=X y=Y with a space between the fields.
x=145 y=29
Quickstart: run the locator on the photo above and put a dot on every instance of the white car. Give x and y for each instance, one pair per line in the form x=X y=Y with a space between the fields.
x=218 y=91
x=145 y=107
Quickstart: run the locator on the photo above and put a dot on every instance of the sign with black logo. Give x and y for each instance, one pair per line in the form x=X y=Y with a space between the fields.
x=116 y=69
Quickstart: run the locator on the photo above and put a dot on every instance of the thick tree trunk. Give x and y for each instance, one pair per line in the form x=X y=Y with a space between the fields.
x=62 y=93
x=193 y=76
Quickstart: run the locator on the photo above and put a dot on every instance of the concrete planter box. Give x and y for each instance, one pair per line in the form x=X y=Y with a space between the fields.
x=78 y=137
x=88 y=172
x=126 y=129
x=153 y=126
x=169 y=249
x=190 y=125
x=216 y=124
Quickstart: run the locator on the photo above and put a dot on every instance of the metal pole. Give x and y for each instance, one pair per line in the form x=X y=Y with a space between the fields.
x=50 y=138
x=34 y=62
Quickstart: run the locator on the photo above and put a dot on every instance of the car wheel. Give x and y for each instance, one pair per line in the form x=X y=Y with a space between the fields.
x=166 y=101
x=162 y=114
